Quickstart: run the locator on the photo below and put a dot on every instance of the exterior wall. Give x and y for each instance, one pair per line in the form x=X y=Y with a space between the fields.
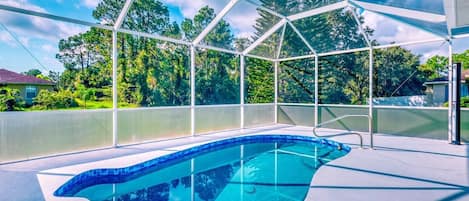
x=22 y=89
x=464 y=90
x=439 y=93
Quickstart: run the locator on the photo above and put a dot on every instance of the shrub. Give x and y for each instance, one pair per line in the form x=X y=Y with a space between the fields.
x=464 y=102
x=54 y=100
x=10 y=100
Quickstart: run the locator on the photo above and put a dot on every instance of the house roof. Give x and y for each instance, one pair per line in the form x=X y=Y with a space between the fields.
x=10 y=77
x=444 y=80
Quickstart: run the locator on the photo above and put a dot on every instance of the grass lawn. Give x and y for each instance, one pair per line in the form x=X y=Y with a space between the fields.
x=101 y=104
x=90 y=105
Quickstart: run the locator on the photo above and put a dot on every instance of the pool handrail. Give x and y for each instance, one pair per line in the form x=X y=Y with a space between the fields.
x=350 y=132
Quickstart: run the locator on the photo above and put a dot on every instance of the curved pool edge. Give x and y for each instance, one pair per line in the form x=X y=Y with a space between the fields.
x=118 y=175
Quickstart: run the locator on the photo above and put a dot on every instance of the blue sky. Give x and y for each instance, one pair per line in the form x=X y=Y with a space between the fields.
x=40 y=36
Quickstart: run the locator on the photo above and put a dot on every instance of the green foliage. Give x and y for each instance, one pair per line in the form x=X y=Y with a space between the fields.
x=33 y=72
x=103 y=104
x=398 y=73
x=217 y=78
x=462 y=58
x=85 y=93
x=47 y=100
x=343 y=79
x=259 y=83
x=296 y=81
x=435 y=67
x=10 y=100
x=464 y=102
x=156 y=73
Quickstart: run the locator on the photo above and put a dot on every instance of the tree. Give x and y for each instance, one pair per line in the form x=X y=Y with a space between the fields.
x=397 y=73
x=296 y=81
x=435 y=67
x=462 y=58
x=33 y=72
x=259 y=84
x=217 y=73
x=86 y=58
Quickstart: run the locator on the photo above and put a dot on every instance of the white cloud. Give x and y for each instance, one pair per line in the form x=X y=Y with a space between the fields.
x=388 y=30
x=52 y=63
x=7 y=39
x=241 y=17
x=90 y=3
x=24 y=4
x=27 y=28
x=49 y=48
x=190 y=7
x=40 y=35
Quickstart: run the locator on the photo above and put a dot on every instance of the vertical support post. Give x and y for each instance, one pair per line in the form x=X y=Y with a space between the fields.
x=370 y=101
x=457 y=104
x=192 y=49
x=114 y=89
x=241 y=89
x=450 y=91
x=316 y=91
x=276 y=90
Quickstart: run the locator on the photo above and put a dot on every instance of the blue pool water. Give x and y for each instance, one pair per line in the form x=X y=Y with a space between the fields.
x=263 y=167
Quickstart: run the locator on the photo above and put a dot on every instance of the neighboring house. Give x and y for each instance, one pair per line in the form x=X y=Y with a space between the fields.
x=437 y=89
x=29 y=86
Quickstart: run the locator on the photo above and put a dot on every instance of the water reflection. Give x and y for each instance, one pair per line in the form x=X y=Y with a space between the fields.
x=267 y=171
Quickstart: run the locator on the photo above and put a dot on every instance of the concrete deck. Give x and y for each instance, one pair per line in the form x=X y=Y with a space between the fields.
x=399 y=168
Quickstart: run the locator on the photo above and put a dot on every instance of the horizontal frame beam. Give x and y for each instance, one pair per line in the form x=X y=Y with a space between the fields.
x=413 y=14
x=54 y=17
x=318 y=11
x=265 y=36
x=215 y=21
x=367 y=48
x=302 y=38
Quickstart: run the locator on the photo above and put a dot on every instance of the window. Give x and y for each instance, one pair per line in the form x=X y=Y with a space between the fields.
x=31 y=92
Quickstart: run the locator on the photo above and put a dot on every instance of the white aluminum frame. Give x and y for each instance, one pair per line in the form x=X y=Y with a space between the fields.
x=192 y=80
x=360 y=27
x=317 y=11
x=396 y=11
x=302 y=38
x=276 y=63
x=372 y=7
x=114 y=90
x=241 y=89
x=215 y=21
x=370 y=103
x=316 y=91
x=280 y=45
x=451 y=93
x=408 y=13
x=265 y=36
x=123 y=14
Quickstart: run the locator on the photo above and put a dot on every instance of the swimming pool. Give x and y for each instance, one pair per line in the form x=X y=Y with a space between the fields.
x=259 y=167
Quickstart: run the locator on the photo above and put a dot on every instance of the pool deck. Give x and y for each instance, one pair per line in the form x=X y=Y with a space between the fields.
x=399 y=168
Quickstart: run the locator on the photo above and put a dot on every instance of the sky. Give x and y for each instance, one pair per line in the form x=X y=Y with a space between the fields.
x=35 y=40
